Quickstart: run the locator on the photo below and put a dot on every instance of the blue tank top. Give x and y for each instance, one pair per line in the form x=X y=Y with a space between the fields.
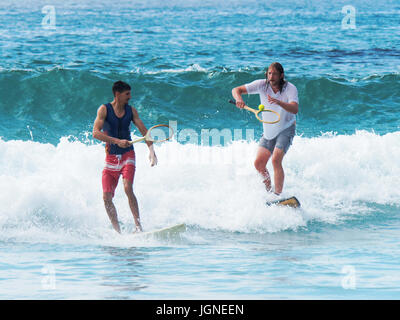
x=118 y=128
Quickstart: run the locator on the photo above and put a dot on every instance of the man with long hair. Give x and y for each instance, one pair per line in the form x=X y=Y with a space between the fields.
x=281 y=96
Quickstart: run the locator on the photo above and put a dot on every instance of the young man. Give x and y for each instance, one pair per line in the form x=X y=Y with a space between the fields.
x=112 y=126
x=281 y=96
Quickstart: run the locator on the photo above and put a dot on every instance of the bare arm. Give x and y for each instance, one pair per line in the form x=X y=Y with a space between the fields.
x=98 y=126
x=237 y=95
x=140 y=125
x=292 y=107
x=143 y=130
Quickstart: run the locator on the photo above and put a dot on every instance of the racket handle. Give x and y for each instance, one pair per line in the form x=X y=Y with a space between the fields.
x=245 y=107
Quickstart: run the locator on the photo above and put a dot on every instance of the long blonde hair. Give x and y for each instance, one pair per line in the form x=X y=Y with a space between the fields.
x=278 y=67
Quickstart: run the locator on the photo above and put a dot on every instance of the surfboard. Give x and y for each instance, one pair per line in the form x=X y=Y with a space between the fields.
x=164 y=232
x=291 y=202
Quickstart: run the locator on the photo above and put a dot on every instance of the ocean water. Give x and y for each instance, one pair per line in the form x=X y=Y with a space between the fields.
x=58 y=62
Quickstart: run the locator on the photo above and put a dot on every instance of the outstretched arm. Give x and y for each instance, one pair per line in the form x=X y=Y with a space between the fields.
x=237 y=95
x=292 y=107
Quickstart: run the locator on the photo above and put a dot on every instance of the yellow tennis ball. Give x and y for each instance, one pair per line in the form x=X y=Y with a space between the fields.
x=261 y=107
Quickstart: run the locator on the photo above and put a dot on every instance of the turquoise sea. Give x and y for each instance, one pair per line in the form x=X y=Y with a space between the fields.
x=58 y=62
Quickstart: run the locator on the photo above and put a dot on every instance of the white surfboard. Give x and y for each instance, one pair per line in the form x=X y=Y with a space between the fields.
x=164 y=232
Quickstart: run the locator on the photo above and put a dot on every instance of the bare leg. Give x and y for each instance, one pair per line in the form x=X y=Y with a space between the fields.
x=279 y=175
x=111 y=211
x=133 y=204
x=260 y=164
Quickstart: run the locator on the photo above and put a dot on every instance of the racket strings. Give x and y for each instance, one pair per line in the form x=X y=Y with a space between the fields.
x=160 y=133
x=269 y=116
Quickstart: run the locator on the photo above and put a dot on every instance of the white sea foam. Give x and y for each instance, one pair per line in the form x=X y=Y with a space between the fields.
x=53 y=193
x=192 y=68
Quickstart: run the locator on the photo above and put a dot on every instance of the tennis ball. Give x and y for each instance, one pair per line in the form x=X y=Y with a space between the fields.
x=261 y=107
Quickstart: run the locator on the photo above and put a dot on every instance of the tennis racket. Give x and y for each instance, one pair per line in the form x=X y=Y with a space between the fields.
x=257 y=112
x=157 y=133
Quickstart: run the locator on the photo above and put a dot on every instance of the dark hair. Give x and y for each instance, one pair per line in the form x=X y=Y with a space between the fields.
x=278 y=67
x=120 y=86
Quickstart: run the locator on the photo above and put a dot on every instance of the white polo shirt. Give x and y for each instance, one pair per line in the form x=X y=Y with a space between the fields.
x=288 y=94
